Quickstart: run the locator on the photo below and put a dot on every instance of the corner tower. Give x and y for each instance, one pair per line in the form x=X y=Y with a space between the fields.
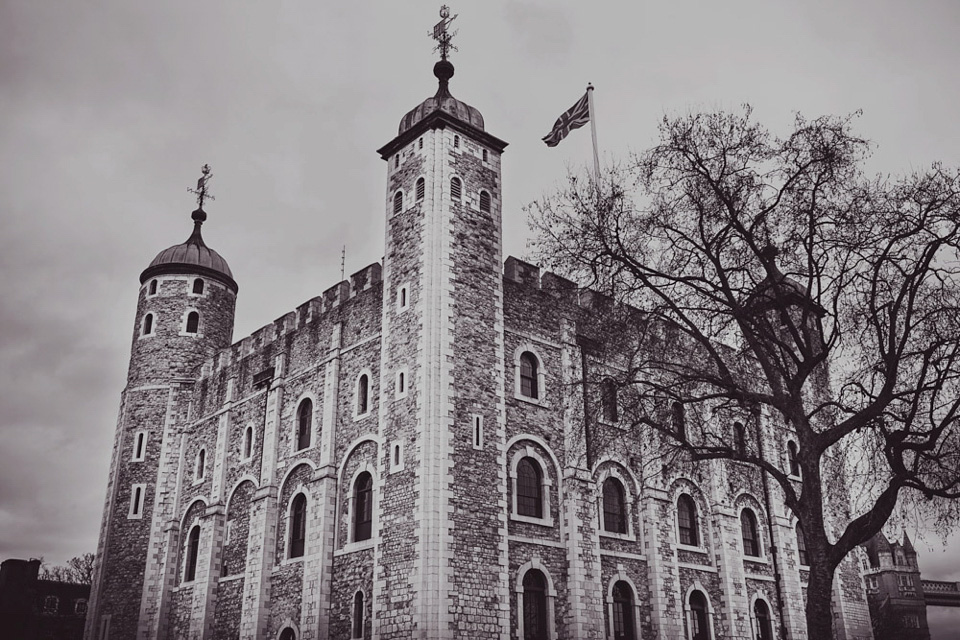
x=441 y=552
x=185 y=314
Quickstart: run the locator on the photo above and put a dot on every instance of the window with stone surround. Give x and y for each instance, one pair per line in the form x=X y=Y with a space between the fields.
x=298 y=526
x=200 y=466
x=802 y=547
x=750 y=533
x=699 y=618
x=485 y=158
x=361 y=396
x=529 y=489
x=193 y=550
x=402 y=384
x=687 y=525
x=363 y=507
x=304 y=424
x=139 y=447
x=398 y=202
x=535 y=606
x=247 y=443
x=147 y=329
x=792 y=461
x=152 y=289
x=421 y=188
x=477 y=423
x=403 y=298
x=137 y=496
x=456 y=142
x=193 y=322
x=624 y=623
x=356 y=626
x=485 y=201
x=614 y=507
x=456 y=188
x=762 y=620
x=198 y=286
x=529 y=376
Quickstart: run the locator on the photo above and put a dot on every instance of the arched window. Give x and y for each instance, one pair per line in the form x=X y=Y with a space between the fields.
x=792 y=458
x=304 y=423
x=699 y=620
x=739 y=438
x=193 y=322
x=764 y=626
x=614 y=507
x=139 y=447
x=248 y=442
x=623 y=622
x=288 y=634
x=201 y=467
x=529 y=489
x=51 y=605
x=401 y=383
x=534 y=606
x=608 y=401
x=456 y=188
x=678 y=420
x=363 y=507
x=802 y=547
x=456 y=142
x=198 y=286
x=421 y=188
x=749 y=533
x=396 y=161
x=484 y=155
x=484 y=202
x=529 y=383
x=298 y=525
x=398 y=202
x=687 y=521
x=357 y=626
x=420 y=144
x=148 y=324
x=363 y=394
x=193 y=549
x=153 y=288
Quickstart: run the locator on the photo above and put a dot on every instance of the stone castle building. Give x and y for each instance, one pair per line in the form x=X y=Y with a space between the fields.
x=406 y=455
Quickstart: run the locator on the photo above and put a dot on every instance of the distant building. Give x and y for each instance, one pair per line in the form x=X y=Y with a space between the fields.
x=895 y=594
x=35 y=609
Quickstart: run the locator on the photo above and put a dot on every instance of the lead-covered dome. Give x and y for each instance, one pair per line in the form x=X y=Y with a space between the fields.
x=442 y=101
x=192 y=256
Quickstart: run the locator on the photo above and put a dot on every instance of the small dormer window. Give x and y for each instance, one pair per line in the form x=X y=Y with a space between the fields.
x=198 y=286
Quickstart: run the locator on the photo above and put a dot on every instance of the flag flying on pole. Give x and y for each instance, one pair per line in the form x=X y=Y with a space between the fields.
x=573 y=118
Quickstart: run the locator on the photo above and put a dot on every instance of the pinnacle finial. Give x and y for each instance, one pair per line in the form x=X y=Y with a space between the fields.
x=202 y=192
x=442 y=35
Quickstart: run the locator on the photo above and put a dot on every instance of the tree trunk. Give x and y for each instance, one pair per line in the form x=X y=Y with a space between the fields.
x=819 y=598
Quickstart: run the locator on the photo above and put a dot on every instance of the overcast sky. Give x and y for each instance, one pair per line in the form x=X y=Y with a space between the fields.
x=108 y=109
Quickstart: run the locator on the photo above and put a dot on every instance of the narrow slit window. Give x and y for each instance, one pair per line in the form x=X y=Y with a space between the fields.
x=148 y=324
x=398 y=202
x=740 y=438
x=477 y=432
x=304 y=423
x=193 y=322
x=298 y=525
x=357 y=626
x=201 y=465
x=792 y=458
x=396 y=161
x=136 y=501
x=363 y=394
x=456 y=188
x=420 y=143
x=679 y=420
x=153 y=288
x=421 y=189
x=193 y=549
x=248 y=442
x=396 y=455
x=456 y=142
x=608 y=401
x=484 y=155
x=139 y=446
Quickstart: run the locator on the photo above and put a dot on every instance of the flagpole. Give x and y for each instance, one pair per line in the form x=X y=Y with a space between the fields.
x=593 y=129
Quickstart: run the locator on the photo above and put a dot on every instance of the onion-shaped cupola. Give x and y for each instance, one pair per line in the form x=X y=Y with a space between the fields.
x=443 y=101
x=192 y=256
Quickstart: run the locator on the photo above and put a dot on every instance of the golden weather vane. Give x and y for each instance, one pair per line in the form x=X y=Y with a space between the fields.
x=202 y=191
x=442 y=35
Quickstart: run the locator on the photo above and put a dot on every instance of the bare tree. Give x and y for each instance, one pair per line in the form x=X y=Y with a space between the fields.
x=800 y=292
x=78 y=570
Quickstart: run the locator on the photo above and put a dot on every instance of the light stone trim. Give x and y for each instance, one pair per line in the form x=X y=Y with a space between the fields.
x=535 y=563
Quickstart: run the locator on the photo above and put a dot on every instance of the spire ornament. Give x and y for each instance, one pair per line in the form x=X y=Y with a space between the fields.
x=202 y=192
x=442 y=35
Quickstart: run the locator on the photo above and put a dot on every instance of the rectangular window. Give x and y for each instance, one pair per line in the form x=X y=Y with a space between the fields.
x=477 y=426
x=137 y=496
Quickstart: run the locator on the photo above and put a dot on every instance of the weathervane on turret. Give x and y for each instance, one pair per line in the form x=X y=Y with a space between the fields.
x=202 y=192
x=441 y=35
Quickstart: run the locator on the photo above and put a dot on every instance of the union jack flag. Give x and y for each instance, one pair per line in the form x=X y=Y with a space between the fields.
x=573 y=118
